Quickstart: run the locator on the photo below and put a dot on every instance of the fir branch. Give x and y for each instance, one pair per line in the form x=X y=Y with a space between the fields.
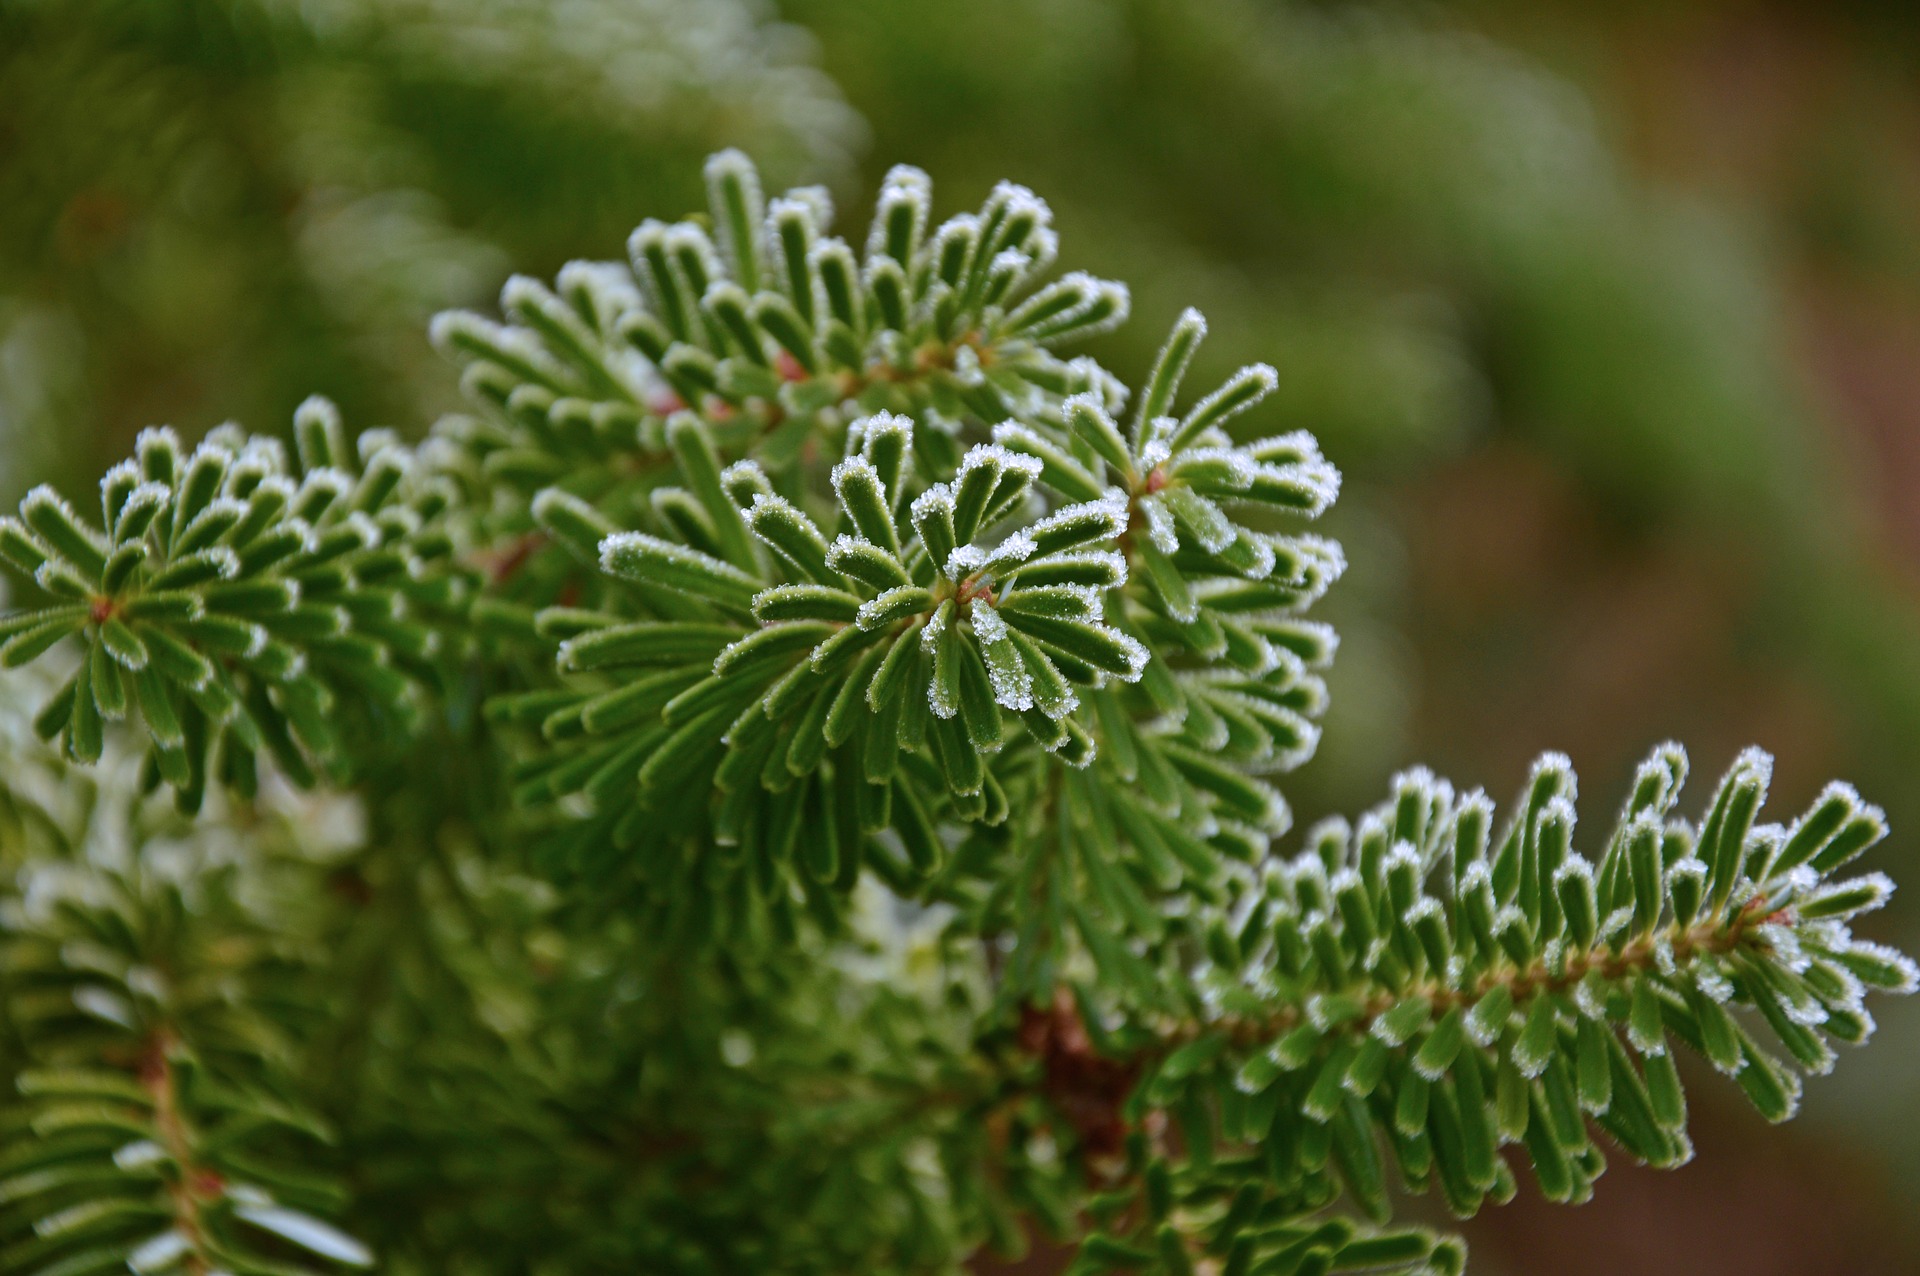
x=155 y=1128
x=1415 y=986
x=831 y=630
x=229 y=600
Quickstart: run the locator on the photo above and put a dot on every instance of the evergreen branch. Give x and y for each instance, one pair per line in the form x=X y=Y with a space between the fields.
x=766 y=330
x=677 y=363
x=154 y=1126
x=902 y=633
x=231 y=600
x=1413 y=985
x=835 y=624
x=1003 y=632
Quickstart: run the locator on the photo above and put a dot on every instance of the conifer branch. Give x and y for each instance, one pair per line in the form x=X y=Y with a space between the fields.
x=790 y=620
x=229 y=600
x=1414 y=987
x=155 y=1130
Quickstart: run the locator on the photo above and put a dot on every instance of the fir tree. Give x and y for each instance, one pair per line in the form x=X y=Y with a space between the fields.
x=812 y=750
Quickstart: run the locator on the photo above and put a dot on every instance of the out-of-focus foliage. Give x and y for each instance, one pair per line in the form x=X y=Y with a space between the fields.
x=217 y=207
x=159 y=992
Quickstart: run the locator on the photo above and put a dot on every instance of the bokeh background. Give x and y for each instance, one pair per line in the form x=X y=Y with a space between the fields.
x=1610 y=313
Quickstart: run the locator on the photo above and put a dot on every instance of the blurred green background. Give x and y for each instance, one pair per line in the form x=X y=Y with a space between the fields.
x=1611 y=314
